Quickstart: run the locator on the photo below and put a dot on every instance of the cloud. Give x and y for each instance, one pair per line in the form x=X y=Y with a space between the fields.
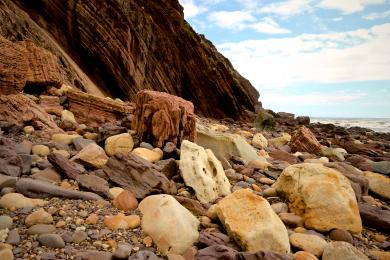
x=348 y=6
x=287 y=8
x=269 y=26
x=349 y=56
x=375 y=16
x=191 y=9
x=231 y=20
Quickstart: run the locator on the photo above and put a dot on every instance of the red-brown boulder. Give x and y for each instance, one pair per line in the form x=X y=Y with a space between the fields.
x=305 y=141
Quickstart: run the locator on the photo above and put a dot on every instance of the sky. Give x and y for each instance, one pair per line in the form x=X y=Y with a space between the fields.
x=324 y=58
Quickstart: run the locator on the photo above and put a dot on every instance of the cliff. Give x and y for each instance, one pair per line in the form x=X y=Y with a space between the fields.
x=117 y=48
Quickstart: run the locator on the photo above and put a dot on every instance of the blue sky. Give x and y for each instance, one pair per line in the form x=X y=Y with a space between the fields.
x=328 y=58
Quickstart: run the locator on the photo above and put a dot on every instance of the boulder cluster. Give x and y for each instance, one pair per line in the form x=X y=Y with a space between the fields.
x=85 y=177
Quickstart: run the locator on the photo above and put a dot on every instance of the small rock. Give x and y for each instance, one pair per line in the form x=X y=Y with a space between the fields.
x=122 y=143
x=79 y=236
x=150 y=155
x=342 y=250
x=302 y=255
x=279 y=207
x=309 y=243
x=16 y=200
x=48 y=174
x=125 y=201
x=28 y=130
x=6 y=254
x=5 y=222
x=123 y=250
x=292 y=220
x=79 y=143
x=64 y=138
x=40 y=150
x=121 y=221
x=380 y=238
x=40 y=229
x=146 y=145
x=341 y=235
x=38 y=217
x=13 y=237
x=92 y=219
x=259 y=164
x=267 y=181
x=64 y=153
x=51 y=240
x=114 y=192
x=67 y=115
x=270 y=192
x=92 y=155
x=259 y=141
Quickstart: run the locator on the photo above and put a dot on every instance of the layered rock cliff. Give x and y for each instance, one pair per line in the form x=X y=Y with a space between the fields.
x=118 y=47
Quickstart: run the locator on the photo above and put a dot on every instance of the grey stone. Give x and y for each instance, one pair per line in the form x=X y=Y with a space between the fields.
x=381 y=167
x=144 y=255
x=51 y=240
x=342 y=250
x=13 y=237
x=79 y=236
x=5 y=222
x=93 y=183
x=123 y=250
x=79 y=143
x=146 y=145
x=40 y=229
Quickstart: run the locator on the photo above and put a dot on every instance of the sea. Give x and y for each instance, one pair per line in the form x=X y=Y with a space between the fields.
x=377 y=124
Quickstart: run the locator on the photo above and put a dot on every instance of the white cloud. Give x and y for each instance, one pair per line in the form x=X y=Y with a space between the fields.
x=231 y=20
x=269 y=26
x=338 y=19
x=374 y=16
x=191 y=9
x=357 y=55
x=349 y=6
x=287 y=8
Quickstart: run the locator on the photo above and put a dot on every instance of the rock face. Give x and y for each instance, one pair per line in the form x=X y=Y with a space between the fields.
x=202 y=171
x=19 y=109
x=32 y=66
x=172 y=227
x=305 y=141
x=160 y=118
x=145 y=47
x=321 y=195
x=249 y=219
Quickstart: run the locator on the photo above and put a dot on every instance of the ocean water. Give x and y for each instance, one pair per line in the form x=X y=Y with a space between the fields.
x=376 y=124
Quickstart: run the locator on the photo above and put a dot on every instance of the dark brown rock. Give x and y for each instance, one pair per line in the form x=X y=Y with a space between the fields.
x=20 y=110
x=144 y=255
x=94 y=111
x=305 y=141
x=64 y=166
x=93 y=255
x=167 y=167
x=192 y=205
x=280 y=155
x=160 y=118
x=341 y=235
x=145 y=47
x=303 y=120
x=41 y=189
x=93 y=183
x=214 y=237
x=137 y=175
x=7 y=181
x=109 y=129
x=375 y=217
x=10 y=162
x=24 y=65
x=363 y=149
x=360 y=162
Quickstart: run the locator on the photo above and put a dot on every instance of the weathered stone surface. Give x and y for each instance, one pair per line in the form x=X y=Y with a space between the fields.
x=259 y=221
x=192 y=205
x=94 y=254
x=120 y=221
x=342 y=250
x=51 y=104
x=23 y=64
x=375 y=217
x=93 y=183
x=280 y=155
x=225 y=146
x=280 y=141
x=168 y=167
x=379 y=184
x=202 y=171
x=160 y=118
x=122 y=143
x=51 y=240
x=11 y=164
x=39 y=216
x=41 y=189
x=305 y=141
x=19 y=109
x=17 y=200
x=381 y=167
x=137 y=175
x=214 y=238
x=92 y=156
x=64 y=166
x=321 y=195
x=150 y=155
x=309 y=243
x=259 y=141
x=172 y=227
x=94 y=111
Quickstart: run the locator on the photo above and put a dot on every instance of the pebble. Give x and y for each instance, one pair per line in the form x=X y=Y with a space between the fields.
x=125 y=201
x=265 y=180
x=380 y=238
x=51 y=240
x=40 y=150
x=79 y=236
x=279 y=207
x=148 y=241
x=121 y=221
x=28 y=130
x=114 y=192
x=13 y=237
x=6 y=254
x=341 y=235
x=292 y=220
x=302 y=255
x=40 y=229
x=38 y=217
x=309 y=243
x=92 y=219
x=270 y=192
x=123 y=250
x=5 y=222
x=146 y=145
x=17 y=200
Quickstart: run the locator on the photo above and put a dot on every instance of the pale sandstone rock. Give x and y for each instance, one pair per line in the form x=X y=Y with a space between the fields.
x=122 y=143
x=378 y=184
x=64 y=138
x=17 y=200
x=342 y=250
x=92 y=155
x=280 y=141
x=309 y=243
x=259 y=141
x=150 y=155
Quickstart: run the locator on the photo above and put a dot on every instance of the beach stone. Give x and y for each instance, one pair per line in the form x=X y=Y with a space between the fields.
x=146 y=145
x=380 y=254
x=381 y=167
x=92 y=219
x=172 y=227
x=192 y=205
x=123 y=250
x=6 y=254
x=51 y=240
x=48 y=174
x=120 y=221
x=203 y=172
x=280 y=141
x=280 y=155
x=125 y=201
x=259 y=221
x=291 y=220
x=375 y=217
x=28 y=130
x=378 y=184
x=279 y=207
x=40 y=150
x=92 y=155
x=40 y=229
x=309 y=243
x=302 y=255
x=64 y=153
x=305 y=141
x=150 y=155
x=342 y=250
x=13 y=237
x=7 y=181
x=64 y=138
x=333 y=153
x=93 y=183
x=259 y=141
x=259 y=164
x=341 y=235
x=68 y=116
x=122 y=143
x=114 y=192
x=80 y=142
x=79 y=236
x=17 y=200
x=39 y=216
x=321 y=195
x=6 y=222
x=144 y=254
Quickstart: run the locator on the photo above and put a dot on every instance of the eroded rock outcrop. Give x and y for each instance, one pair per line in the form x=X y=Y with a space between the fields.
x=305 y=141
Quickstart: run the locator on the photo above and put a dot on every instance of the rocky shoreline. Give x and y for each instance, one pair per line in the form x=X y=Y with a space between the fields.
x=106 y=179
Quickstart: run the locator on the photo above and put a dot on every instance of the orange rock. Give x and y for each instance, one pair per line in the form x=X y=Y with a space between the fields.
x=121 y=221
x=305 y=141
x=125 y=201
x=148 y=241
x=302 y=255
